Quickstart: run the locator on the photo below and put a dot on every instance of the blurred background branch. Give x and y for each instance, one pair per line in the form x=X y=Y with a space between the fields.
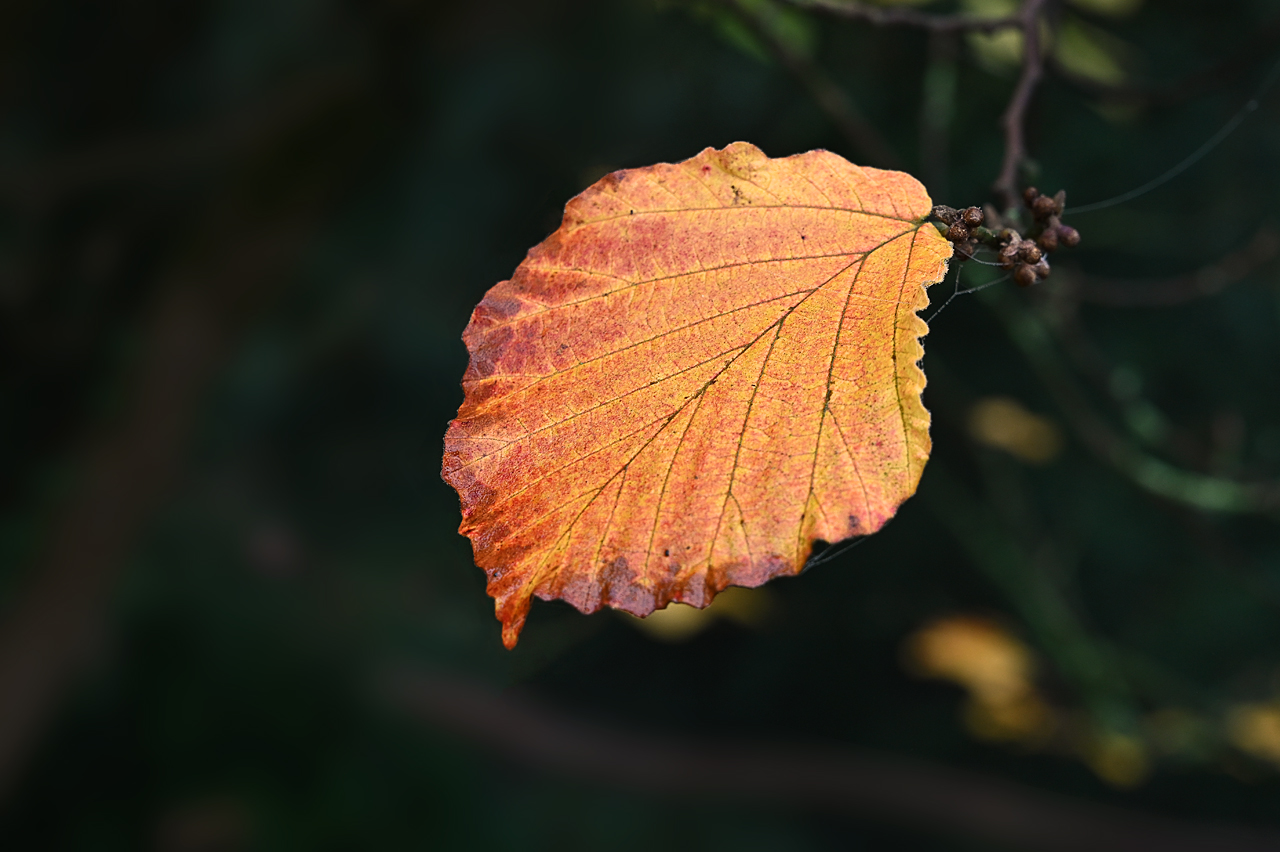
x=865 y=784
x=897 y=16
x=1231 y=268
x=241 y=252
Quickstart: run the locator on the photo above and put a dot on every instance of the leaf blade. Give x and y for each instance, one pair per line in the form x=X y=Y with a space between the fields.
x=657 y=401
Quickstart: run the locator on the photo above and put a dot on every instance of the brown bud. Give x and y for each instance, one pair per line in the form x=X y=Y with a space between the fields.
x=1060 y=201
x=1041 y=268
x=945 y=214
x=1044 y=207
x=1068 y=236
x=957 y=233
x=1008 y=254
x=972 y=217
x=1028 y=252
x=1024 y=275
x=1030 y=194
x=964 y=251
x=1048 y=241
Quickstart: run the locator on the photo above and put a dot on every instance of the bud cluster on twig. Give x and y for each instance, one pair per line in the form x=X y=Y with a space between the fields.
x=1026 y=258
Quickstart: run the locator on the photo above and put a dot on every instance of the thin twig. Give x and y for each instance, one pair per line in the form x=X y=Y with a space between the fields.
x=880 y=16
x=1015 y=114
x=1206 y=281
x=937 y=109
x=829 y=97
x=1013 y=121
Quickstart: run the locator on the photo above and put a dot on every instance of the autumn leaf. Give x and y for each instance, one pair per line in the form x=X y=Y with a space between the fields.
x=710 y=366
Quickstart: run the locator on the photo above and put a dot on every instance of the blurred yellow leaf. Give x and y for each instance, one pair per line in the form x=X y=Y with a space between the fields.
x=1083 y=49
x=748 y=607
x=1003 y=423
x=1178 y=731
x=1255 y=729
x=1118 y=759
x=1090 y=52
x=681 y=622
x=999 y=51
x=990 y=8
x=996 y=669
x=977 y=654
x=1024 y=718
x=676 y=623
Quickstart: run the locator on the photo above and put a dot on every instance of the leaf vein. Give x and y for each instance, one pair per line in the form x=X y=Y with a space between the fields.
x=741 y=208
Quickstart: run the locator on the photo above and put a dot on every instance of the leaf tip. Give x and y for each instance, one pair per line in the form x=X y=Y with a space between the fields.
x=512 y=614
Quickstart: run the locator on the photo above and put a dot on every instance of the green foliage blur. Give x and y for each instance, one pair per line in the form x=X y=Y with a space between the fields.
x=246 y=236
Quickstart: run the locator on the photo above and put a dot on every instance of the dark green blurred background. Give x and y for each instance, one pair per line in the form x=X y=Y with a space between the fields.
x=239 y=242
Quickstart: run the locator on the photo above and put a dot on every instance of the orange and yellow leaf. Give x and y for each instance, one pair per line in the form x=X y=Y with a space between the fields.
x=710 y=365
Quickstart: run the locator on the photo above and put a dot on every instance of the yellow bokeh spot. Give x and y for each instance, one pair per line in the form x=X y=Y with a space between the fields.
x=1178 y=731
x=1079 y=47
x=1003 y=423
x=1117 y=759
x=994 y=667
x=1255 y=729
x=1022 y=718
x=998 y=51
x=680 y=622
x=1092 y=53
x=990 y=8
x=977 y=654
